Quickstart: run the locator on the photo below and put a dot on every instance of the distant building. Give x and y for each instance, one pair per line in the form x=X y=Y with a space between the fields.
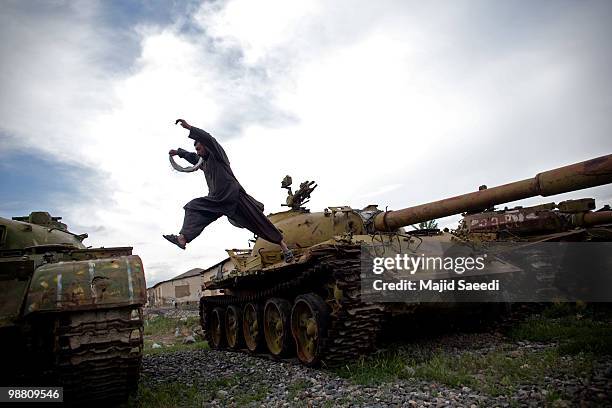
x=182 y=291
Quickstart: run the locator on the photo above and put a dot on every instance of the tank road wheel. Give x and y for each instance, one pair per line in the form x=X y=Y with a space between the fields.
x=217 y=335
x=233 y=327
x=309 y=318
x=251 y=324
x=277 y=323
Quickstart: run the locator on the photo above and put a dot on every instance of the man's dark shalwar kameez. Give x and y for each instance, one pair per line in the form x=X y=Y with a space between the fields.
x=225 y=195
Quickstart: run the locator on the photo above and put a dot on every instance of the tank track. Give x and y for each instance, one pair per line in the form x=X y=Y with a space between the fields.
x=334 y=273
x=354 y=325
x=95 y=355
x=100 y=353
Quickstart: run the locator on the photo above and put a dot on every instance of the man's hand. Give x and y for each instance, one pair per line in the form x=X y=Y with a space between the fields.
x=173 y=152
x=183 y=123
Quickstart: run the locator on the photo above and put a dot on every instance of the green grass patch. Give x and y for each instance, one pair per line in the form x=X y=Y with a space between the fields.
x=210 y=388
x=252 y=396
x=295 y=388
x=175 y=394
x=496 y=373
x=166 y=325
x=168 y=395
x=241 y=397
x=444 y=369
x=556 y=310
x=374 y=370
x=198 y=345
x=574 y=334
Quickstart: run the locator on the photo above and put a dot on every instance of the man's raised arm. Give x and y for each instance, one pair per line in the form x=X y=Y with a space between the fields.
x=202 y=136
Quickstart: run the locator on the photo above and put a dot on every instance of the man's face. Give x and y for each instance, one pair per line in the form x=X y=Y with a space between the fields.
x=200 y=150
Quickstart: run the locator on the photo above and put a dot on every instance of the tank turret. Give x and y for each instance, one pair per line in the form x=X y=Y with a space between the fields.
x=303 y=228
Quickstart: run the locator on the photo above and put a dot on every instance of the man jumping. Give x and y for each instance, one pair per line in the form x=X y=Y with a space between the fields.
x=225 y=196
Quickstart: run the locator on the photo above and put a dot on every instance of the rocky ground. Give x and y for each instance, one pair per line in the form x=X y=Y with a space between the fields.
x=499 y=371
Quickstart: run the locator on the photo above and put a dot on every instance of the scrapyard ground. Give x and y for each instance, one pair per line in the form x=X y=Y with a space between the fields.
x=560 y=356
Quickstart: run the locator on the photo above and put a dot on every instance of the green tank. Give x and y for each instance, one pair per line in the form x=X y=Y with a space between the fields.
x=313 y=308
x=70 y=316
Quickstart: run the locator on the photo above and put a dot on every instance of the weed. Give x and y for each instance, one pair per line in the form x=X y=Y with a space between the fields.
x=255 y=395
x=167 y=395
x=499 y=372
x=374 y=370
x=295 y=388
x=199 y=345
x=574 y=335
x=166 y=325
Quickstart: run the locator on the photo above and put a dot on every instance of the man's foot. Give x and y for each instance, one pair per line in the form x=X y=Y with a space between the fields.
x=288 y=255
x=175 y=240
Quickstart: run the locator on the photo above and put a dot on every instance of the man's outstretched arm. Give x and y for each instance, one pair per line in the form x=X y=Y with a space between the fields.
x=202 y=136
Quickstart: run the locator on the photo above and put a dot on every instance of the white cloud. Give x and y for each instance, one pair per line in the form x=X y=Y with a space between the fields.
x=400 y=104
x=256 y=28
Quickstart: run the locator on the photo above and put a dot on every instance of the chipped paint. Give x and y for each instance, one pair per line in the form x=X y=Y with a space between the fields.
x=92 y=269
x=101 y=284
x=59 y=288
x=130 y=284
x=77 y=295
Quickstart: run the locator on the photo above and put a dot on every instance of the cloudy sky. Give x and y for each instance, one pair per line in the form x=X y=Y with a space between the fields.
x=388 y=102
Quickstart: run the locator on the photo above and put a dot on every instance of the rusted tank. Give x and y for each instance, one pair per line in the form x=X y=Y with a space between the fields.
x=70 y=316
x=565 y=219
x=314 y=307
x=577 y=176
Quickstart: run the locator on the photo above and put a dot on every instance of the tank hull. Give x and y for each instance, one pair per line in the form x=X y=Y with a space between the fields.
x=348 y=323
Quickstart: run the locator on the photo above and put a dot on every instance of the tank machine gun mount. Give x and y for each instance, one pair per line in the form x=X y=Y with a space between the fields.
x=301 y=196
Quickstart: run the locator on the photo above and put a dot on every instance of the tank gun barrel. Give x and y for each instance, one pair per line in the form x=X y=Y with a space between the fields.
x=590 y=173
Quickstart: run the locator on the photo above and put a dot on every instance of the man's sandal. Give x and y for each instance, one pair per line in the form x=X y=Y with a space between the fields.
x=174 y=239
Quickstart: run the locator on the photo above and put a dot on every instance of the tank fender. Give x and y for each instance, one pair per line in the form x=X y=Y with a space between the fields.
x=96 y=283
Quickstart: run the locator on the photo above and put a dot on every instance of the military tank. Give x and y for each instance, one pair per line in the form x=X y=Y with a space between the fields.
x=70 y=316
x=314 y=308
x=565 y=219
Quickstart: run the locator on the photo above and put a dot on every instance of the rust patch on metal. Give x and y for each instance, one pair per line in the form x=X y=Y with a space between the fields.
x=99 y=284
x=594 y=164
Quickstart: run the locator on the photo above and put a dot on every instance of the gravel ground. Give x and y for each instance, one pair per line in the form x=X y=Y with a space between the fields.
x=237 y=379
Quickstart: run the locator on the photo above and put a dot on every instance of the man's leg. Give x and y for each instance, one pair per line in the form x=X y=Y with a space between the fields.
x=194 y=223
x=250 y=217
x=284 y=246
